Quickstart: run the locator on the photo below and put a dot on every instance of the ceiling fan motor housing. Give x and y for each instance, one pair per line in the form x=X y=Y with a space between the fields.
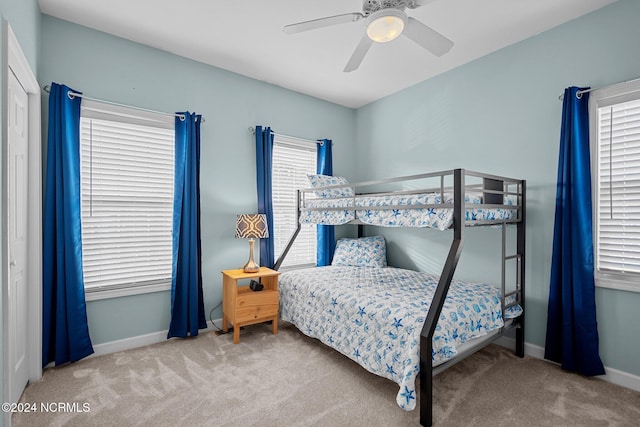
x=371 y=6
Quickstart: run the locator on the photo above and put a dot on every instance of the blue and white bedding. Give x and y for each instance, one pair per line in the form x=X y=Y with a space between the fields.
x=375 y=316
x=327 y=211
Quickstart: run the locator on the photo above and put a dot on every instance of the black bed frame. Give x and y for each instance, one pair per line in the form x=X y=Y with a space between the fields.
x=494 y=190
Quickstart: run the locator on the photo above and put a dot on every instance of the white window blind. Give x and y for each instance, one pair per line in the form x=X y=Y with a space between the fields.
x=292 y=162
x=127 y=171
x=617 y=204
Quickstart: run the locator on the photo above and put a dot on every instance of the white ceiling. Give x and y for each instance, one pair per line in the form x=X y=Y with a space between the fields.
x=246 y=37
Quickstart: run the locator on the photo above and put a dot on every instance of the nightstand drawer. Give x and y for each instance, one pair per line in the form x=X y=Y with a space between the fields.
x=256 y=305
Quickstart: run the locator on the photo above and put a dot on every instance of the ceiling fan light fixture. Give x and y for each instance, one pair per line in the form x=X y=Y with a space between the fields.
x=386 y=25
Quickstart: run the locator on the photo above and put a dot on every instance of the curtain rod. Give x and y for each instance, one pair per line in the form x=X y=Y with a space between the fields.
x=581 y=92
x=72 y=95
x=253 y=132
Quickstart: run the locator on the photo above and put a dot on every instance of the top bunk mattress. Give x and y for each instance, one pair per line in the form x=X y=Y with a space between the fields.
x=402 y=210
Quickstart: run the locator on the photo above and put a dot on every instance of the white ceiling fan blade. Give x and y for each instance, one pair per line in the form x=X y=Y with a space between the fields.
x=426 y=37
x=358 y=54
x=417 y=3
x=322 y=22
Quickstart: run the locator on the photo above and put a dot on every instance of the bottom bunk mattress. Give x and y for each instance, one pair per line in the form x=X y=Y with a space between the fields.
x=375 y=316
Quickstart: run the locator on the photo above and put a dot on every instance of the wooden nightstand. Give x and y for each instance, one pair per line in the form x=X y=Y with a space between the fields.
x=241 y=306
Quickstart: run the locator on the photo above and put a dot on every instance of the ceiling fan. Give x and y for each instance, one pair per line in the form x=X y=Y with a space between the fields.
x=385 y=20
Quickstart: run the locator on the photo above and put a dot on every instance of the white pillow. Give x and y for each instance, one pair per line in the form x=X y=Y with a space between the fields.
x=361 y=252
x=326 y=180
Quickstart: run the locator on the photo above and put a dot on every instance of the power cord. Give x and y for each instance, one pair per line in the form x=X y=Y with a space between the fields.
x=211 y=319
x=219 y=330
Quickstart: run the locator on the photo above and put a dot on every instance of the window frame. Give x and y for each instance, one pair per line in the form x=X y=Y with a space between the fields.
x=611 y=95
x=307 y=145
x=119 y=113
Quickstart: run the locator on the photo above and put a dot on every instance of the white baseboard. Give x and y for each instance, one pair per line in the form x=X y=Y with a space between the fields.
x=614 y=376
x=139 y=341
x=622 y=378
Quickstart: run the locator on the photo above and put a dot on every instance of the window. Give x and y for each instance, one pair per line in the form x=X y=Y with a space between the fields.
x=293 y=160
x=615 y=139
x=127 y=169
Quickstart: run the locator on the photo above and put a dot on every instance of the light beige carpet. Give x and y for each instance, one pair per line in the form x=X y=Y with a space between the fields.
x=292 y=380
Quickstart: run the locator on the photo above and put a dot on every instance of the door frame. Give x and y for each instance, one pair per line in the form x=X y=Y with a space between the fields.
x=13 y=60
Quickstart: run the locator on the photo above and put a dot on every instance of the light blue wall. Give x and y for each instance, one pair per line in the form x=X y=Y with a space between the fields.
x=111 y=68
x=501 y=114
x=24 y=18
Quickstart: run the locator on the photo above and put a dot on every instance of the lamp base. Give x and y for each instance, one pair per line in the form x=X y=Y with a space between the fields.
x=251 y=266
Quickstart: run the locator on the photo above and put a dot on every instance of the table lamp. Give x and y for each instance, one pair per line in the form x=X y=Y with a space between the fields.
x=251 y=226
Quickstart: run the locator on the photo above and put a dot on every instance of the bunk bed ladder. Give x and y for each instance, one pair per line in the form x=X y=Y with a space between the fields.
x=520 y=249
x=428 y=329
x=519 y=259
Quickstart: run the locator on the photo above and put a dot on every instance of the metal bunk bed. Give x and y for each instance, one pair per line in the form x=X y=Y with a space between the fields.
x=495 y=191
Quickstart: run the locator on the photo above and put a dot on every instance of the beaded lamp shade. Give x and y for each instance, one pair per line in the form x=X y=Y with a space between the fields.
x=251 y=226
